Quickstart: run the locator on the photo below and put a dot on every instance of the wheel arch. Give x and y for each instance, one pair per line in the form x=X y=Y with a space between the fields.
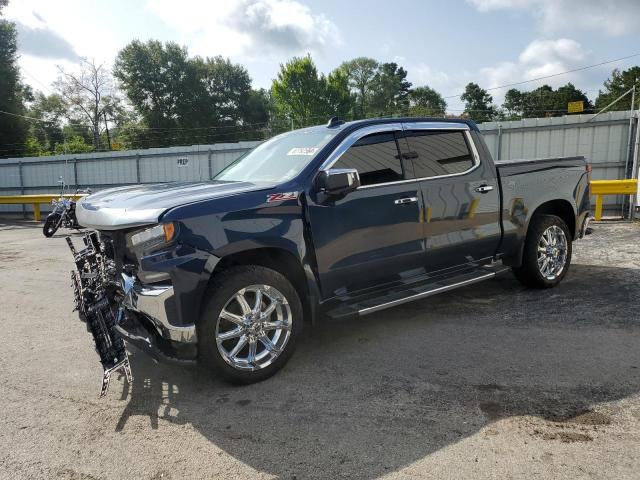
x=558 y=207
x=278 y=259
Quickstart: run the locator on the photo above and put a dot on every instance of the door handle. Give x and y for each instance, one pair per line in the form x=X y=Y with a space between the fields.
x=404 y=201
x=484 y=188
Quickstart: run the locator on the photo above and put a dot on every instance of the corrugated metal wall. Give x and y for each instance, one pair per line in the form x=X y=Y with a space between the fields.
x=603 y=140
x=107 y=169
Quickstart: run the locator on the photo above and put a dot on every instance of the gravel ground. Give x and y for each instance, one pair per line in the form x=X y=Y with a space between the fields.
x=490 y=381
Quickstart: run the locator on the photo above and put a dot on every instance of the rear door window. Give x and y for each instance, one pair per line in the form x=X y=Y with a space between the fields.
x=438 y=153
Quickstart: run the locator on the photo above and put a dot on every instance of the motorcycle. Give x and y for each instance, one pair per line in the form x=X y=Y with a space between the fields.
x=63 y=213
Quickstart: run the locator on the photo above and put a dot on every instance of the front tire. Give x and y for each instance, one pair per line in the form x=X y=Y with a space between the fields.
x=547 y=253
x=51 y=225
x=249 y=324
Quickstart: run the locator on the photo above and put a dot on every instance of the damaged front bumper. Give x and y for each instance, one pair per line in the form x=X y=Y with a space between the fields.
x=147 y=325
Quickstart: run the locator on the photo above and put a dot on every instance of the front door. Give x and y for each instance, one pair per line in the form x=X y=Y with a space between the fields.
x=461 y=197
x=373 y=235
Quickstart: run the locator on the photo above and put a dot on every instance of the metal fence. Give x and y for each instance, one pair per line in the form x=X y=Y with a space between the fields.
x=101 y=170
x=606 y=141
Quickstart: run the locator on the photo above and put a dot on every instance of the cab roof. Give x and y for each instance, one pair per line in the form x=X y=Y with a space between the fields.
x=338 y=125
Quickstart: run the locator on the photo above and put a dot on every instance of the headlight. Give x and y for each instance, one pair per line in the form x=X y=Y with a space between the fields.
x=154 y=236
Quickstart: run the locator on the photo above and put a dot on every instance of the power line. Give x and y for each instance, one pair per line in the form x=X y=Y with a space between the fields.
x=245 y=133
x=28 y=118
x=555 y=74
x=34 y=78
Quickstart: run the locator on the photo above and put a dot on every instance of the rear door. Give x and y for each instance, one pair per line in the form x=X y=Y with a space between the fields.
x=373 y=235
x=460 y=193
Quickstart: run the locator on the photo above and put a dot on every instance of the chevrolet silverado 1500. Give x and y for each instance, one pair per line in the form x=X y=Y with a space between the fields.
x=332 y=221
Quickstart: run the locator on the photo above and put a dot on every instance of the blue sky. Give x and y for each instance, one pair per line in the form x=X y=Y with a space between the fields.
x=443 y=44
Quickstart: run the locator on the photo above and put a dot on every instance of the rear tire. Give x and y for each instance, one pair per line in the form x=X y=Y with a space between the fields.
x=249 y=339
x=547 y=253
x=51 y=225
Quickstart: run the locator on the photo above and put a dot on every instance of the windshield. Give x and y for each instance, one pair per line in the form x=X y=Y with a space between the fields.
x=278 y=159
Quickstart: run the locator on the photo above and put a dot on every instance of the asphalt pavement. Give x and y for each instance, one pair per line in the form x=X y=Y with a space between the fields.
x=490 y=381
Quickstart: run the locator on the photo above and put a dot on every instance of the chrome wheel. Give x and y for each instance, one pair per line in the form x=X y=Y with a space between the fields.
x=552 y=252
x=253 y=327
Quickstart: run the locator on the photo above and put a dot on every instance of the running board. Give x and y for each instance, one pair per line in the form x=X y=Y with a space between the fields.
x=416 y=292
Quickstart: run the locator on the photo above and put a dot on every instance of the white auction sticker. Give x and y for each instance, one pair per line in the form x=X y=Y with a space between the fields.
x=303 y=151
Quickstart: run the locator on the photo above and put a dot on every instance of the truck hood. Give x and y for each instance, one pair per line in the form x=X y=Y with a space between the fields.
x=124 y=207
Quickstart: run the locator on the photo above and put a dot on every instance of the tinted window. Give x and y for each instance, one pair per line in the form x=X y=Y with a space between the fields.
x=439 y=153
x=376 y=158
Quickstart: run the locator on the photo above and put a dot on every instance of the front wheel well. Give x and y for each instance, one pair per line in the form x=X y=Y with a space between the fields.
x=277 y=259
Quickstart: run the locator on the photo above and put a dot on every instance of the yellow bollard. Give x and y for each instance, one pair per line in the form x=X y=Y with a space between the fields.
x=36 y=212
x=611 y=187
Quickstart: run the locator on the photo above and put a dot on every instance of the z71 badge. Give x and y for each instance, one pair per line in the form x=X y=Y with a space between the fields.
x=279 y=197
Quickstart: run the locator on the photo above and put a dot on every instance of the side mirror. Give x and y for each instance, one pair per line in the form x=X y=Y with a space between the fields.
x=338 y=181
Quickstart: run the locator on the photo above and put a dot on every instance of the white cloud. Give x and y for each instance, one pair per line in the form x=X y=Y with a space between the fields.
x=422 y=74
x=49 y=35
x=488 y=5
x=546 y=51
x=614 y=17
x=540 y=58
x=88 y=36
x=253 y=28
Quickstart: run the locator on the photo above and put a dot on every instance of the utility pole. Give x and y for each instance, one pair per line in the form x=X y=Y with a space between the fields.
x=106 y=126
x=628 y=169
x=634 y=169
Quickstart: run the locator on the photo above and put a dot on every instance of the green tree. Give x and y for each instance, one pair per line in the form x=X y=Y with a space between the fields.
x=305 y=97
x=13 y=128
x=360 y=73
x=74 y=144
x=426 y=101
x=544 y=101
x=221 y=91
x=256 y=108
x=52 y=112
x=298 y=91
x=157 y=79
x=339 y=99
x=181 y=99
x=569 y=93
x=389 y=90
x=478 y=103
x=514 y=104
x=616 y=85
x=33 y=148
x=132 y=133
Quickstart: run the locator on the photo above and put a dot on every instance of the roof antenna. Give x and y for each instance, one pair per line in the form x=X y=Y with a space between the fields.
x=334 y=122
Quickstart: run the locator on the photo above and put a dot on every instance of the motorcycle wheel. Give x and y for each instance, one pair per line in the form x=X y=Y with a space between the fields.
x=51 y=225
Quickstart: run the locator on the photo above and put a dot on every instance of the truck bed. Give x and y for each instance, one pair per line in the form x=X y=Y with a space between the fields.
x=526 y=185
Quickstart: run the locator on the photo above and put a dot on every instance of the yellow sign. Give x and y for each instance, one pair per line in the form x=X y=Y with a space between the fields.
x=575 y=107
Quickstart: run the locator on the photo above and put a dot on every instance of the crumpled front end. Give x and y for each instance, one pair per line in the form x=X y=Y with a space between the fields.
x=118 y=300
x=94 y=299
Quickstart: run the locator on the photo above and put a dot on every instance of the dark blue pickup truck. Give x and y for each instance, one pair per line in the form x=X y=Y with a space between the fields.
x=332 y=221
